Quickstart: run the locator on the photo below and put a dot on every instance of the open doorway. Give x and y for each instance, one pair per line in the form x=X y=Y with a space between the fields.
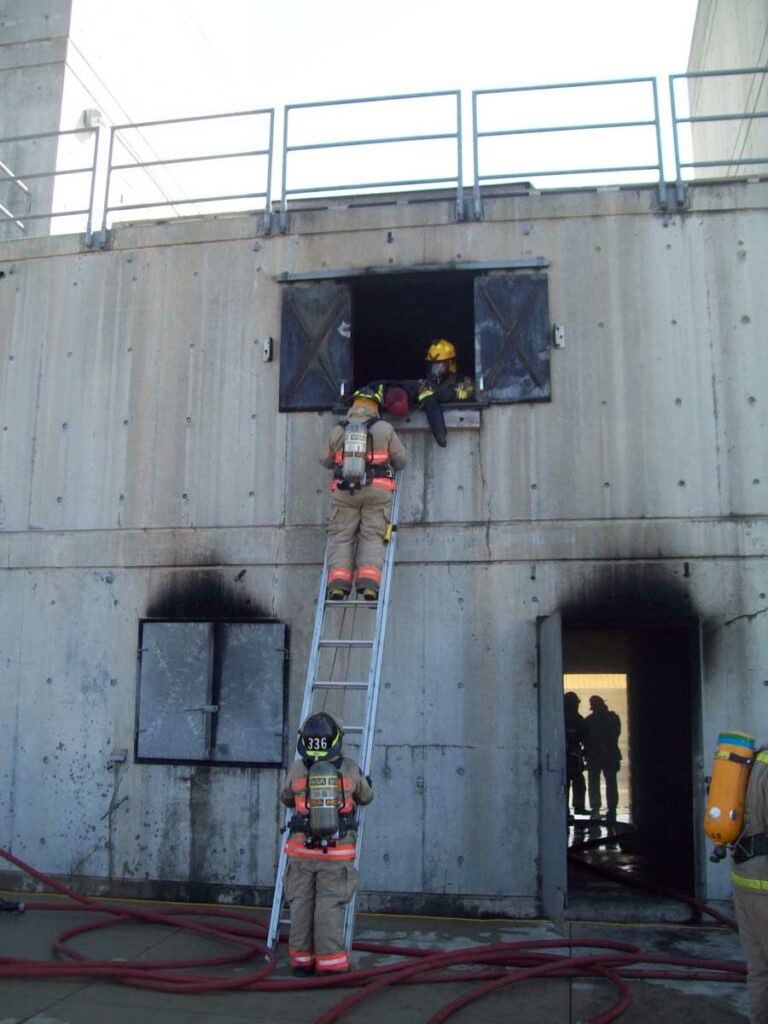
x=593 y=799
x=647 y=673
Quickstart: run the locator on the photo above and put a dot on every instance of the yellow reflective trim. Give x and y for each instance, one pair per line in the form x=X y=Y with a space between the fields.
x=762 y=756
x=758 y=884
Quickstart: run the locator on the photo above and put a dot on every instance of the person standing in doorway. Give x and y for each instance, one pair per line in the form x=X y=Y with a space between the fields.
x=576 y=787
x=602 y=729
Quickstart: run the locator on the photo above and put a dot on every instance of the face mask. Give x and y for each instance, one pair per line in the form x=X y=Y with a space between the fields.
x=438 y=370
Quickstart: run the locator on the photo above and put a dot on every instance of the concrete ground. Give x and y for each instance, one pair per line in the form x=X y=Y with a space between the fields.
x=562 y=1000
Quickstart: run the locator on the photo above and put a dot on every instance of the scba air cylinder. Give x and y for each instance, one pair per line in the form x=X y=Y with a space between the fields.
x=724 y=816
x=324 y=800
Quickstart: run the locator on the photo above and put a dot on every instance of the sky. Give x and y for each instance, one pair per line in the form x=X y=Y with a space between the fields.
x=162 y=59
x=172 y=58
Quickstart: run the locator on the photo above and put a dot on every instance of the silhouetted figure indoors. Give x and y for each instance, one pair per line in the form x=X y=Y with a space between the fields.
x=575 y=786
x=602 y=729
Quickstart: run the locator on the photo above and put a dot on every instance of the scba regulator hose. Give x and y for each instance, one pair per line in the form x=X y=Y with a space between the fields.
x=492 y=967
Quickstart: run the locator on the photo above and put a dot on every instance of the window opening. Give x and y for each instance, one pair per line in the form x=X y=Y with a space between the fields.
x=340 y=335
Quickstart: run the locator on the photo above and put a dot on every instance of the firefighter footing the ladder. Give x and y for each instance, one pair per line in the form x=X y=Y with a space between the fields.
x=324 y=788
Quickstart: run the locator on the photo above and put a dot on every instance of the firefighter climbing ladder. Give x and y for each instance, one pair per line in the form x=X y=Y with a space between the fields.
x=334 y=612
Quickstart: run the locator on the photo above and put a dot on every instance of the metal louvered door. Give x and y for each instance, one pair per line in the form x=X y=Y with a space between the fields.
x=343 y=678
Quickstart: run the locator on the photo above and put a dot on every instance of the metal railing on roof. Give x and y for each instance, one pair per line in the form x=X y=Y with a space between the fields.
x=558 y=133
x=517 y=170
x=744 y=119
x=165 y=188
x=41 y=207
x=313 y=188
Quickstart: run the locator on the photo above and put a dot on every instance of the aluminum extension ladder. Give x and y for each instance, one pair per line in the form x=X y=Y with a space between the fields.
x=340 y=617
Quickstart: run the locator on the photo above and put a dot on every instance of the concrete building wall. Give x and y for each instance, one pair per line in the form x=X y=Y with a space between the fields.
x=730 y=34
x=33 y=52
x=144 y=465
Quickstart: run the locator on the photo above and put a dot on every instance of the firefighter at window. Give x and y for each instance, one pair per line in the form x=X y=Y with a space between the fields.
x=442 y=384
x=323 y=787
x=750 y=887
x=364 y=451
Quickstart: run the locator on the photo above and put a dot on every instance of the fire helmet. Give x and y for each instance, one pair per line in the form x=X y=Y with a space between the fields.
x=320 y=737
x=374 y=394
x=441 y=352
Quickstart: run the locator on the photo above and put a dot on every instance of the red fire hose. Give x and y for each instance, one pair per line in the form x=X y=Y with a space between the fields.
x=496 y=966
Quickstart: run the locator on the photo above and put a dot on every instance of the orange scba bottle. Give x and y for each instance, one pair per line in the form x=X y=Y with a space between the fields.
x=724 y=816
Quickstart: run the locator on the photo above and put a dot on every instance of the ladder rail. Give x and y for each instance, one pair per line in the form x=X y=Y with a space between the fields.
x=367 y=729
x=372 y=703
x=273 y=931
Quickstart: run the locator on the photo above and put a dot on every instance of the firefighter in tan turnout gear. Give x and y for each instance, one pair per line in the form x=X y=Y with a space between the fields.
x=364 y=451
x=750 y=887
x=320 y=877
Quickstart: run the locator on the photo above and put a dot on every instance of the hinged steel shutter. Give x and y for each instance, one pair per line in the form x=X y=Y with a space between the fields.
x=512 y=337
x=315 y=345
x=175 y=676
x=249 y=725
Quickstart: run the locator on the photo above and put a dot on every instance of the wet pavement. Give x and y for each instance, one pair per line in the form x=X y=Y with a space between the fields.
x=565 y=1000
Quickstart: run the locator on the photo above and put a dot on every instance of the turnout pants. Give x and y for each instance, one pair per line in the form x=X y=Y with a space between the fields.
x=356 y=531
x=752 y=916
x=611 y=788
x=317 y=890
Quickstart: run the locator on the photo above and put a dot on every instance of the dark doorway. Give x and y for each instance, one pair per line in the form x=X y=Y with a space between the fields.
x=396 y=318
x=655 y=840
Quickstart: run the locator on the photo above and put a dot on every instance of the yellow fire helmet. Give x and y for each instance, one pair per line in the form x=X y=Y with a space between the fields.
x=442 y=351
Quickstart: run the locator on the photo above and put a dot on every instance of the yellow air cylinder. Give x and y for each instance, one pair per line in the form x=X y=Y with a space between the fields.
x=324 y=800
x=724 y=816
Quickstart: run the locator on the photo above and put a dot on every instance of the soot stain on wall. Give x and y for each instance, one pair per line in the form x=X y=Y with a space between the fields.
x=205 y=594
x=631 y=591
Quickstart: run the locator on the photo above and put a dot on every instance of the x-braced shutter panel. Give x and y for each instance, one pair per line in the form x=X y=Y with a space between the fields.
x=315 y=346
x=512 y=337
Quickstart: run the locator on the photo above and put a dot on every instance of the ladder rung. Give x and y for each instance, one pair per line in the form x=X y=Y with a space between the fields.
x=353 y=728
x=355 y=602
x=332 y=684
x=345 y=643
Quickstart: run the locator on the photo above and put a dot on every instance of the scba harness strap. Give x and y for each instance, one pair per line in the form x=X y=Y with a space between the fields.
x=300 y=823
x=751 y=846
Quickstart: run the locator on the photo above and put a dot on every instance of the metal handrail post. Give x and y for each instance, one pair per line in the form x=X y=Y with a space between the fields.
x=476 y=160
x=460 y=167
x=283 y=213
x=108 y=179
x=92 y=196
x=268 y=197
x=679 y=188
x=657 y=124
